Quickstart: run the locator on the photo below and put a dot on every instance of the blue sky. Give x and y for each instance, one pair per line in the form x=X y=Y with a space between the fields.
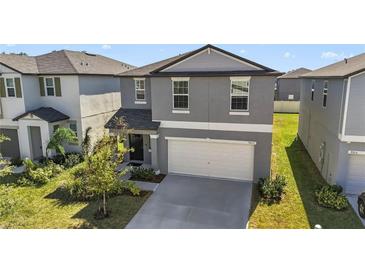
x=280 y=57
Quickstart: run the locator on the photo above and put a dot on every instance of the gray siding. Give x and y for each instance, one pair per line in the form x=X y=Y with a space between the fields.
x=90 y=85
x=287 y=87
x=128 y=93
x=319 y=125
x=355 y=122
x=262 y=160
x=209 y=100
x=211 y=62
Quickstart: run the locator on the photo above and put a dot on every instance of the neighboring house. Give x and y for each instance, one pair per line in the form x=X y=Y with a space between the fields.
x=332 y=122
x=59 y=89
x=287 y=91
x=207 y=113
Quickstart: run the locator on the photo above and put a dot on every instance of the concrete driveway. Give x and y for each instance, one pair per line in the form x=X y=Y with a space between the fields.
x=192 y=202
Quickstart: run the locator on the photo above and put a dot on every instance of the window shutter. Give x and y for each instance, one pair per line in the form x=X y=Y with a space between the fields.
x=18 y=88
x=2 y=88
x=57 y=81
x=41 y=86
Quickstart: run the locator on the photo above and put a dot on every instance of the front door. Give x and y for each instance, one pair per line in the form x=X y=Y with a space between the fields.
x=36 y=141
x=136 y=142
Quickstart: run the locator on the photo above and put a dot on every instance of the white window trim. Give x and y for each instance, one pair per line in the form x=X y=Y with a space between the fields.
x=239 y=113
x=180 y=110
x=140 y=102
x=45 y=86
x=6 y=87
x=244 y=79
x=135 y=90
x=224 y=141
x=325 y=93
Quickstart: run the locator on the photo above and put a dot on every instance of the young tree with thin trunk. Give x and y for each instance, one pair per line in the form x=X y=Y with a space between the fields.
x=59 y=139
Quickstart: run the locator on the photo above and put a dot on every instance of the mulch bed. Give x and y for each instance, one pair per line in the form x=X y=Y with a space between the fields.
x=156 y=179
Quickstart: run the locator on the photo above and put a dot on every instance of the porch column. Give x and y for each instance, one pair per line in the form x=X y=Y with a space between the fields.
x=154 y=155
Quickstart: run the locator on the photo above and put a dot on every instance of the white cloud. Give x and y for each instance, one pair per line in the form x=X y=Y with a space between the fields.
x=106 y=46
x=243 y=51
x=335 y=55
x=289 y=55
x=329 y=55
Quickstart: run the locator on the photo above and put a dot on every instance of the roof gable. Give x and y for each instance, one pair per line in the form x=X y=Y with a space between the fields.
x=211 y=58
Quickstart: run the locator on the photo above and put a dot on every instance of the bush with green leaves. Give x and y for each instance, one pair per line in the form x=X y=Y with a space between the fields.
x=16 y=162
x=142 y=173
x=79 y=188
x=272 y=190
x=330 y=196
x=38 y=175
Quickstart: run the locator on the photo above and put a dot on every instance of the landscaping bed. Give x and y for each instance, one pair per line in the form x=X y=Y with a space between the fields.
x=145 y=175
x=48 y=206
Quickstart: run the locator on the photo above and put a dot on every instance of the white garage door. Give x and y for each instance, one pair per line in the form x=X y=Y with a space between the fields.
x=356 y=174
x=213 y=158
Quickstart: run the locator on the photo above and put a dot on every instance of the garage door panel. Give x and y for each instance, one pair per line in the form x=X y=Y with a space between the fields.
x=356 y=174
x=209 y=158
x=10 y=148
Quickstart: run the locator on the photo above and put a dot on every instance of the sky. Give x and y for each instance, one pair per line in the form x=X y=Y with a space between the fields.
x=280 y=57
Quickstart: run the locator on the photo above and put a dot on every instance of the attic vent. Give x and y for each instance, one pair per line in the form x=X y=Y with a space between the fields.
x=90 y=54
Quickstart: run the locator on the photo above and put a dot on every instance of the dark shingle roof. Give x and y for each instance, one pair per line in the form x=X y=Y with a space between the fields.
x=155 y=69
x=146 y=70
x=47 y=114
x=344 y=68
x=295 y=74
x=65 y=62
x=135 y=118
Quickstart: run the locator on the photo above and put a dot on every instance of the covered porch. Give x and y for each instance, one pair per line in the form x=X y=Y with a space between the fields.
x=35 y=129
x=142 y=135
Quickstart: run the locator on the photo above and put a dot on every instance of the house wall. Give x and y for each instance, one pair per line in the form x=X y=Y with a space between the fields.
x=209 y=100
x=355 y=122
x=211 y=61
x=319 y=125
x=100 y=98
x=286 y=87
x=127 y=88
x=262 y=161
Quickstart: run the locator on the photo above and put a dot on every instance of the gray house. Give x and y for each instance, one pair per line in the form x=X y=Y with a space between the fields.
x=206 y=113
x=39 y=94
x=287 y=91
x=332 y=122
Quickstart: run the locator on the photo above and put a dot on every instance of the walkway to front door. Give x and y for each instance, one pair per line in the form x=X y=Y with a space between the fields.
x=136 y=142
x=193 y=202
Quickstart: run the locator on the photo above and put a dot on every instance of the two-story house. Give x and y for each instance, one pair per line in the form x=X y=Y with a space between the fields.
x=206 y=113
x=332 y=121
x=59 y=89
x=287 y=91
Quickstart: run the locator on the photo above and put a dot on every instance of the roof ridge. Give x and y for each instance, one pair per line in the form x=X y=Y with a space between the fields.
x=68 y=59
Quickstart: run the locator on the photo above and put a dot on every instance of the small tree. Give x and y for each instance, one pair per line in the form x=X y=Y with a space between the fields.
x=5 y=167
x=101 y=172
x=58 y=140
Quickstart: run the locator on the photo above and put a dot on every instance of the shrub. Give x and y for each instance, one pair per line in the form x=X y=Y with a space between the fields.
x=141 y=173
x=72 y=159
x=271 y=191
x=330 y=196
x=79 y=189
x=35 y=174
x=16 y=162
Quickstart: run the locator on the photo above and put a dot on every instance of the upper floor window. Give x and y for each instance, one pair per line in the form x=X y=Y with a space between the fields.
x=10 y=87
x=180 y=94
x=325 y=93
x=140 y=89
x=50 y=87
x=239 y=94
x=312 y=89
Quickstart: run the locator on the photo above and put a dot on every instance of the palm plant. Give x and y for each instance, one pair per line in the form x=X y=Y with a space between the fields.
x=59 y=138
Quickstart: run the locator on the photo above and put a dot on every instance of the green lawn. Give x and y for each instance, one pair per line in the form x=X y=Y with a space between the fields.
x=48 y=207
x=299 y=208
